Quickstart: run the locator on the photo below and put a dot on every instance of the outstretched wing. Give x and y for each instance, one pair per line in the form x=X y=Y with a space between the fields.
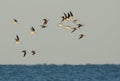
x=45 y=21
x=17 y=37
x=71 y=13
x=32 y=29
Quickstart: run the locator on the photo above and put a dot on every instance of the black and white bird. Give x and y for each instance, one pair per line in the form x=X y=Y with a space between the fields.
x=74 y=29
x=17 y=39
x=71 y=15
x=81 y=36
x=25 y=52
x=33 y=52
x=15 y=21
x=63 y=18
x=79 y=25
x=33 y=31
x=44 y=25
x=45 y=21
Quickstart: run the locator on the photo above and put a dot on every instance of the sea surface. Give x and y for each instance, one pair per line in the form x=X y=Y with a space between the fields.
x=44 y=72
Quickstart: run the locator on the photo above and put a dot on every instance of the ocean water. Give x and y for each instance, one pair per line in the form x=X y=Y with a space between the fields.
x=44 y=72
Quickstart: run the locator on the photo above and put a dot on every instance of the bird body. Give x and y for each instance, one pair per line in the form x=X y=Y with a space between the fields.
x=24 y=51
x=17 y=39
x=74 y=29
x=33 y=52
x=45 y=21
x=79 y=25
x=15 y=21
x=63 y=18
x=81 y=36
x=33 y=31
x=71 y=15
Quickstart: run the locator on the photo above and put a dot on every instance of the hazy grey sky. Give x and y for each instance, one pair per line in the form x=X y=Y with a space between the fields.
x=54 y=44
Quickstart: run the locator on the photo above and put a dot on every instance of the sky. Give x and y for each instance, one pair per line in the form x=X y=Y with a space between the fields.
x=56 y=45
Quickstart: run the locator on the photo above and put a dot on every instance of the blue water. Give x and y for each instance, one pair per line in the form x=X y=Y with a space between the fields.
x=60 y=72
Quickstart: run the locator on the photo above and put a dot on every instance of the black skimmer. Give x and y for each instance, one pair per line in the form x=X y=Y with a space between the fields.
x=33 y=52
x=79 y=25
x=24 y=51
x=45 y=21
x=15 y=21
x=71 y=15
x=32 y=30
x=81 y=36
x=63 y=18
x=74 y=29
x=17 y=39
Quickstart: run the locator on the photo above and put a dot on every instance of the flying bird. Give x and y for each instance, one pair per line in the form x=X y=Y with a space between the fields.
x=17 y=39
x=71 y=15
x=74 y=29
x=24 y=51
x=33 y=52
x=63 y=18
x=32 y=30
x=45 y=21
x=79 y=25
x=15 y=21
x=68 y=16
x=81 y=36
x=65 y=15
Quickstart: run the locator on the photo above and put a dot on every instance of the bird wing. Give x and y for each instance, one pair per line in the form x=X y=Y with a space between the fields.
x=65 y=15
x=81 y=36
x=17 y=37
x=73 y=29
x=32 y=29
x=45 y=21
x=33 y=52
x=71 y=13
x=68 y=15
x=15 y=20
x=24 y=55
x=62 y=18
x=79 y=25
